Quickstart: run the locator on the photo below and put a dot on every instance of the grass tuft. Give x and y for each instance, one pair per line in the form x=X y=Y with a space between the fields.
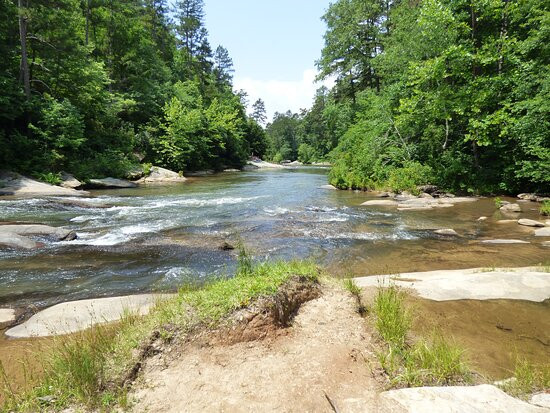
x=393 y=320
x=528 y=379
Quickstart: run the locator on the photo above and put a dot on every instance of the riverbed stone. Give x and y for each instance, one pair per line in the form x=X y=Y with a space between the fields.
x=541 y=400
x=510 y=208
x=531 y=284
x=530 y=223
x=542 y=232
x=507 y=221
x=11 y=240
x=380 y=202
x=446 y=232
x=454 y=399
x=329 y=187
x=110 y=183
x=58 y=234
x=75 y=316
x=7 y=316
x=17 y=185
x=546 y=244
x=480 y=219
x=161 y=175
x=504 y=241
x=259 y=164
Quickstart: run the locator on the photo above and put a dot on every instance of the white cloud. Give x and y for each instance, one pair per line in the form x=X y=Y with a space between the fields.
x=282 y=95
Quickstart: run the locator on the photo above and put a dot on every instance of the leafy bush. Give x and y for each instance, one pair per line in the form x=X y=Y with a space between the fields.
x=50 y=178
x=409 y=177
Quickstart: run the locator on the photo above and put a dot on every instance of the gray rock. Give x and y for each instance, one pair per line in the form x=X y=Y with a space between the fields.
x=135 y=173
x=380 y=202
x=507 y=221
x=7 y=316
x=510 y=208
x=463 y=399
x=541 y=400
x=69 y=181
x=530 y=223
x=531 y=284
x=12 y=183
x=527 y=197
x=232 y=170
x=207 y=172
x=543 y=232
x=58 y=234
x=385 y=195
x=446 y=232
x=110 y=183
x=546 y=244
x=75 y=316
x=482 y=219
x=161 y=175
x=10 y=240
x=329 y=187
x=429 y=189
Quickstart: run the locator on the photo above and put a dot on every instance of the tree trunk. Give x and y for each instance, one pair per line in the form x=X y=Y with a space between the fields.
x=24 y=69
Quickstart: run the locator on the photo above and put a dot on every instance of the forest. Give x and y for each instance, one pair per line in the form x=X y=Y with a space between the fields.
x=96 y=87
x=452 y=93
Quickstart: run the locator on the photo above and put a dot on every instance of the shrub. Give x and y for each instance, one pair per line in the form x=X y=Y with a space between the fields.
x=545 y=208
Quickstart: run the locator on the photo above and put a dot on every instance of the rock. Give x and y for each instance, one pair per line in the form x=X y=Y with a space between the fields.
x=110 y=183
x=15 y=241
x=135 y=173
x=207 y=172
x=531 y=283
x=546 y=244
x=12 y=183
x=329 y=187
x=507 y=221
x=504 y=241
x=380 y=202
x=295 y=163
x=542 y=198
x=69 y=181
x=530 y=223
x=385 y=195
x=527 y=197
x=75 y=316
x=461 y=199
x=446 y=232
x=265 y=165
x=404 y=196
x=541 y=400
x=482 y=219
x=58 y=234
x=510 y=208
x=7 y=316
x=250 y=168
x=232 y=170
x=464 y=399
x=429 y=189
x=425 y=195
x=542 y=232
x=414 y=208
x=161 y=175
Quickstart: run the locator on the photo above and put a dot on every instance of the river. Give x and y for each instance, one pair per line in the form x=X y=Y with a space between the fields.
x=155 y=238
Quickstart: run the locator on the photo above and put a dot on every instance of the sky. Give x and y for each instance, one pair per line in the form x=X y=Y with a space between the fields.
x=274 y=45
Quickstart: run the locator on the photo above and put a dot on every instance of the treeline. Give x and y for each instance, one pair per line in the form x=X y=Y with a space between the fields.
x=94 y=87
x=453 y=93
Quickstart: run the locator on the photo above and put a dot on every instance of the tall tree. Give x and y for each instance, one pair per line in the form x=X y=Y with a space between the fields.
x=259 y=112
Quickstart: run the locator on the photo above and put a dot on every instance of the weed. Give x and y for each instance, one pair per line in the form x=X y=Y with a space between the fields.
x=393 y=320
x=545 y=208
x=50 y=178
x=527 y=379
x=498 y=202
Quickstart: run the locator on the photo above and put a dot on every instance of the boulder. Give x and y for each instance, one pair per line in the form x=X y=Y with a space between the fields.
x=232 y=170
x=12 y=183
x=530 y=223
x=161 y=175
x=504 y=241
x=510 y=208
x=541 y=400
x=446 y=232
x=75 y=316
x=404 y=196
x=527 y=197
x=429 y=189
x=329 y=187
x=69 y=181
x=465 y=399
x=542 y=232
x=385 y=195
x=380 y=202
x=546 y=244
x=265 y=165
x=110 y=183
x=135 y=173
x=207 y=172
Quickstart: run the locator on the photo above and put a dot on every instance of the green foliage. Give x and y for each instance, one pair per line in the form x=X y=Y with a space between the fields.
x=393 y=320
x=545 y=208
x=527 y=379
x=498 y=202
x=50 y=178
x=244 y=261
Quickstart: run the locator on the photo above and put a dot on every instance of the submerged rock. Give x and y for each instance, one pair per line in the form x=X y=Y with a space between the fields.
x=447 y=232
x=17 y=236
x=110 y=183
x=12 y=183
x=510 y=208
x=330 y=187
x=466 y=399
x=75 y=316
x=15 y=241
x=482 y=218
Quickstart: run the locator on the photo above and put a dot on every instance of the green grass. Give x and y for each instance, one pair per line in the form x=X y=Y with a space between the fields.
x=87 y=368
x=527 y=379
x=498 y=202
x=545 y=208
x=436 y=361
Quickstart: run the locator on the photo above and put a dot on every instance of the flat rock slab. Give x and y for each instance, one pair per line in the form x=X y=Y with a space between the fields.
x=380 y=202
x=542 y=232
x=75 y=316
x=329 y=187
x=462 y=399
x=504 y=241
x=541 y=399
x=12 y=183
x=7 y=315
x=110 y=183
x=529 y=284
x=530 y=223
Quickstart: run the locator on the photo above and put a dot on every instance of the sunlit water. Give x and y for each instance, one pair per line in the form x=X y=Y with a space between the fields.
x=158 y=237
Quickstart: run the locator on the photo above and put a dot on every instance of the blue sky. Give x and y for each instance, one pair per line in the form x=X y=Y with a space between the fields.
x=274 y=45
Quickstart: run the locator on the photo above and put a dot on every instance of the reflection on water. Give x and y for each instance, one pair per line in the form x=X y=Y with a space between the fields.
x=156 y=237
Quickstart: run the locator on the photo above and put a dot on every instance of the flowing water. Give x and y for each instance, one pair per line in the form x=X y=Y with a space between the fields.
x=155 y=238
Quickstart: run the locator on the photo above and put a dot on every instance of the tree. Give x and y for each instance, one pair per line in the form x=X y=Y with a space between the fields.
x=223 y=66
x=258 y=112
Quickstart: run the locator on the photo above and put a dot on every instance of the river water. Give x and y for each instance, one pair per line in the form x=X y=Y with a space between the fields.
x=155 y=238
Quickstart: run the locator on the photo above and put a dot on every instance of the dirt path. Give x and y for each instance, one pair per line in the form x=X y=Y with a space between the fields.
x=322 y=353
